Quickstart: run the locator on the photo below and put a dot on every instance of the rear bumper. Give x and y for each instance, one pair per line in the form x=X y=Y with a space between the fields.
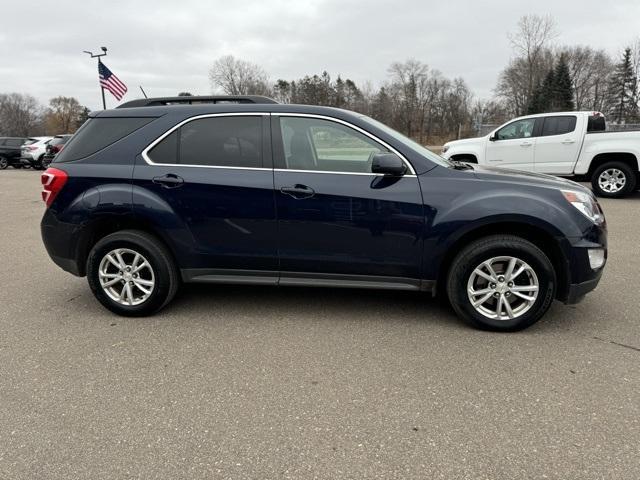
x=61 y=241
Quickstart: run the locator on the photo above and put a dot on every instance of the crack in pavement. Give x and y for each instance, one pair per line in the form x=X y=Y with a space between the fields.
x=631 y=347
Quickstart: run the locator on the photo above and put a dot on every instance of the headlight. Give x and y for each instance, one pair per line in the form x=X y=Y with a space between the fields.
x=445 y=148
x=586 y=204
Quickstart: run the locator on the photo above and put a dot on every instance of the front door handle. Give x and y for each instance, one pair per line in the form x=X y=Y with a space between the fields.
x=169 y=180
x=298 y=191
x=568 y=141
x=526 y=144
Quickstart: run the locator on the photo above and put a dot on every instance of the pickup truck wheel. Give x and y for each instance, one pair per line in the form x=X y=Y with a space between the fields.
x=501 y=283
x=613 y=180
x=131 y=273
x=4 y=163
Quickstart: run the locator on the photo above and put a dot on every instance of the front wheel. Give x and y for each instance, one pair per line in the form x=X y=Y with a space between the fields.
x=613 y=180
x=132 y=273
x=502 y=283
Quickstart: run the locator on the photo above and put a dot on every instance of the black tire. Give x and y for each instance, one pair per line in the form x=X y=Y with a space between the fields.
x=626 y=170
x=4 y=163
x=167 y=278
x=40 y=163
x=17 y=166
x=45 y=162
x=493 y=246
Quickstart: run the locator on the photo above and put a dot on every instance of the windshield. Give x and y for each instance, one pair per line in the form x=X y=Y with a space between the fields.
x=424 y=151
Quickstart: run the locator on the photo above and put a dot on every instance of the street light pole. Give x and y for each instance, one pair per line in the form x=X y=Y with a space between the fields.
x=98 y=55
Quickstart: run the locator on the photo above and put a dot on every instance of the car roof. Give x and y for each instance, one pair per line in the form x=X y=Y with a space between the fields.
x=212 y=108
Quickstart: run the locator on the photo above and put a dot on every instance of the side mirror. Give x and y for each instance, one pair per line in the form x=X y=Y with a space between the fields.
x=388 y=164
x=493 y=138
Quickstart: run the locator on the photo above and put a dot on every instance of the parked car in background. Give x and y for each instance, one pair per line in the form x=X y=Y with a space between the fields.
x=32 y=152
x=572 y=144
x=54 y=146
x=10 y=151
x=146 y=197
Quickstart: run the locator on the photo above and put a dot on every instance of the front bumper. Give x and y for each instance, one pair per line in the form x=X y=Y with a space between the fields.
x=577 y=291
x=580 y=277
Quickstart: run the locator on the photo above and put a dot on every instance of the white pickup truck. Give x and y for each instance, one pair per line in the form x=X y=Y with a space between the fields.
x=564 y=144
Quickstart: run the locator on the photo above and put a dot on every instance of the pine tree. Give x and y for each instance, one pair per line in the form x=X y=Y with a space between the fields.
x=623 y=90
x=562 y=90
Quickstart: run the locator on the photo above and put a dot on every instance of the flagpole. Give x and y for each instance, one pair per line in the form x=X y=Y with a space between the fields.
x=104 y=103
x=98 y=55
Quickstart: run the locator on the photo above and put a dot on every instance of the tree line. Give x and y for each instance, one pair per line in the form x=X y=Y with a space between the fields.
x=416 y=99
x=426 y=105
x=22 y=116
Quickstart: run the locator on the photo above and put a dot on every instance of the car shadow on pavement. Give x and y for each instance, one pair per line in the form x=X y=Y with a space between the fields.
x=314 y=303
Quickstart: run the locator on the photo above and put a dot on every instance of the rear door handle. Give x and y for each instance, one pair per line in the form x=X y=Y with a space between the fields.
x=169 y=180
x=526 y=144
x=568 y=141
x=298 y=191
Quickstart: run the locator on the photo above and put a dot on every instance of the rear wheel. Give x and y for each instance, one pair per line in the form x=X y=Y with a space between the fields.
x=502 y=283
x=613 y=180
x=132 y=273
x=4 y=163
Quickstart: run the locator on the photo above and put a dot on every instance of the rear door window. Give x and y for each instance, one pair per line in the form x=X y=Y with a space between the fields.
x=225 y=141
x=558 y=125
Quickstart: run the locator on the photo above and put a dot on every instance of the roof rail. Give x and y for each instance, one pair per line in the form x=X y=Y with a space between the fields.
x=189 y=100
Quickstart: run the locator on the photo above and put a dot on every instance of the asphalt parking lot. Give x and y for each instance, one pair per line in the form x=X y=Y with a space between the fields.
x=254 y=382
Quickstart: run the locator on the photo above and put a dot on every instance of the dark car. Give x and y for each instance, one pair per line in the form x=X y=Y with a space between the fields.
x=54 y=146
x=146 y=197
x=10 y=151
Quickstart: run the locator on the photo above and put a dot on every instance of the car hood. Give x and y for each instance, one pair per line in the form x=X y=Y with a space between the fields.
x=464 y=141
x=530 y=178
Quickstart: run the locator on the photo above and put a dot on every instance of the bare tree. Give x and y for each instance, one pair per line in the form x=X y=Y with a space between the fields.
x=238 y=77
x=20 y=115
x=533 y=60
x=63 y=115
x=589 y=70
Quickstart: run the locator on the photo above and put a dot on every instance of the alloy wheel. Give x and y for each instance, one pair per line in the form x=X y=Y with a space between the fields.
x=612 y=180
x=503 y=288
x=126 y=276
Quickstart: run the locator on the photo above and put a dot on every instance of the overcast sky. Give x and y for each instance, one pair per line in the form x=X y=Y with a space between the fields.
x=168 y=46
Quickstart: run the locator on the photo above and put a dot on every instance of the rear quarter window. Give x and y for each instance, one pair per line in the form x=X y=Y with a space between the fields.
x=97 y=134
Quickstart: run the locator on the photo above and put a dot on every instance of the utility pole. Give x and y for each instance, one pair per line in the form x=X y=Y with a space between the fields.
x=98 y=55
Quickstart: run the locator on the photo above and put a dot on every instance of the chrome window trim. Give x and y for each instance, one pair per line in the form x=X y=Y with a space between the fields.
x=145 y=152
x=356 y=128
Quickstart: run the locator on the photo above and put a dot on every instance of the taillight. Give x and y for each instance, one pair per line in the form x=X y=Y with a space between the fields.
x=52 y=182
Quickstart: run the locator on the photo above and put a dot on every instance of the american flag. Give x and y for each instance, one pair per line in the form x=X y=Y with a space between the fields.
x=109 y=81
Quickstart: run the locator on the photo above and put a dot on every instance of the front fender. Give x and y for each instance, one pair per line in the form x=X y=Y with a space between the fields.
x=463 y=212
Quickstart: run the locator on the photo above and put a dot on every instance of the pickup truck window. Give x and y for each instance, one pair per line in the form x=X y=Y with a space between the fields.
x=558 y=125
x=517 y=129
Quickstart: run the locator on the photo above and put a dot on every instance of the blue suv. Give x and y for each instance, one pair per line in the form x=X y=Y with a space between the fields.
x=246 y=190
